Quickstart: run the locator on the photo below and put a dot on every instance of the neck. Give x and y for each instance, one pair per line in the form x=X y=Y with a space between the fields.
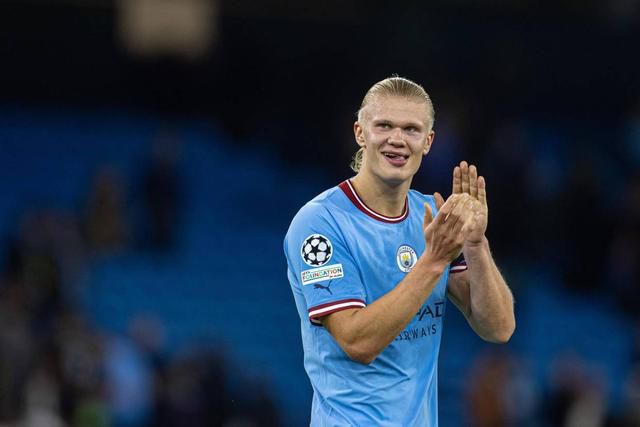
x=385 y=198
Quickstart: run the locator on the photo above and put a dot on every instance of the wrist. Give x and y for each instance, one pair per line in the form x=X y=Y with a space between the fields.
x=430 y=265
x=481 y=245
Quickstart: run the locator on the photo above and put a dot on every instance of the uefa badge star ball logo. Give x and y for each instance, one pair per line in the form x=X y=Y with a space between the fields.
x=316 y=250
x=406 y=258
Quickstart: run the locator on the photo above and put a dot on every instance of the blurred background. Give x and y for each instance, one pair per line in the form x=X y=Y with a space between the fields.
x=153 y=152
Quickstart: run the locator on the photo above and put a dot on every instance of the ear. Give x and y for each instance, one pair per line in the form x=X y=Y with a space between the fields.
x=358 y=132
x=428 y=142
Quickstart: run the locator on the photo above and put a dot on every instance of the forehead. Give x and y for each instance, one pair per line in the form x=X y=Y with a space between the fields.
x=397 y=109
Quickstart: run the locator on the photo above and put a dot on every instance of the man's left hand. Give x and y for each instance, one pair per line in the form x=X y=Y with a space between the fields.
x=466 y=180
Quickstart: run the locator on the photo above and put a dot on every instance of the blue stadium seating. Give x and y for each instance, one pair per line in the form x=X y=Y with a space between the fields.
x=226 y=279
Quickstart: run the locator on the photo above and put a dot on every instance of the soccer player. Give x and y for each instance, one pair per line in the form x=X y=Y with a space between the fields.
x=371 y=262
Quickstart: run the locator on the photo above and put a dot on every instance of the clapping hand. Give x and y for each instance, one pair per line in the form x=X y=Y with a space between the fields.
x=467 y=181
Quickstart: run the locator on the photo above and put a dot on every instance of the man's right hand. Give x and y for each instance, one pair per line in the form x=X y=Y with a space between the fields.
x=444 y=234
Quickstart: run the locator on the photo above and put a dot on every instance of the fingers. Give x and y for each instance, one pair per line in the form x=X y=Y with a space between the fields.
x=464 y=170
x=473 y=181
x=457 y=181
x=428 y=216
x=439 y=200
x=447 y=208
x=465 y=180
x=482 y=190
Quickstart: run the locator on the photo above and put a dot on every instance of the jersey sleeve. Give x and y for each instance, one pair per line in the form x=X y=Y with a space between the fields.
x=458 y=265
x=321 y=265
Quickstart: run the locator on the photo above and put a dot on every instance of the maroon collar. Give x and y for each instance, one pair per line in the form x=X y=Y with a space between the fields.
x=351 y=193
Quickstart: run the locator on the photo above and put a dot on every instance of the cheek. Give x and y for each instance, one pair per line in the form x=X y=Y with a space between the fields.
x=371 y=135
x=372 y=140
x=419 y=145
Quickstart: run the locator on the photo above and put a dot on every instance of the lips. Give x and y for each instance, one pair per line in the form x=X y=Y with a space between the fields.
x=396 y=159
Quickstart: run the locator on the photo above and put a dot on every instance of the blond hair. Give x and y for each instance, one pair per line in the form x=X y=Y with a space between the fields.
x=393 y=86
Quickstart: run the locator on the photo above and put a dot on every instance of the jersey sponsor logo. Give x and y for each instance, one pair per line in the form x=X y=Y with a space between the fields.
x=328 y=272
x=427 y=322
x=316 y=250
x=406 y=258
x=433 y=311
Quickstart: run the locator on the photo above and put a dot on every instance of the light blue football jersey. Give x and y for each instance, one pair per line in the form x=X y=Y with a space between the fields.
x=342 y=255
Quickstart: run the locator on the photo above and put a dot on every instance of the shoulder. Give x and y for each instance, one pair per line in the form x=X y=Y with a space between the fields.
x=318 y=208
x=317 y=215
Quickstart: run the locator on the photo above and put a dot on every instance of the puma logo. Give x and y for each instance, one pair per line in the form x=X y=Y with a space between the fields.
x=317 y=286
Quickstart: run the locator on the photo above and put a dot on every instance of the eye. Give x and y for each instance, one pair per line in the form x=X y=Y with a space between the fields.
x=384 y=125
x=411 y=129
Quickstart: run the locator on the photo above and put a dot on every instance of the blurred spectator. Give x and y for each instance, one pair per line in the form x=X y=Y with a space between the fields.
x=148 y=333
x=521 y=395
x=42 y=406
x=588 y=410
x=105 y=225
x=576 y=396
x=502 y=392
x=162 y=192
x=256 y=409
x=485 y=393
x=40 y=272
x=16 y=353
x=193 y=392
x=81 y=353
x=129 y=383
x=631 y=399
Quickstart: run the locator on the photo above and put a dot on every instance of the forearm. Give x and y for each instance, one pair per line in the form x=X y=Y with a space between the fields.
x=368 y=331
x=491 y=303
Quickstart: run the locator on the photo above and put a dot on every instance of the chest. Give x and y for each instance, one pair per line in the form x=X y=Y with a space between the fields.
x=386 y=253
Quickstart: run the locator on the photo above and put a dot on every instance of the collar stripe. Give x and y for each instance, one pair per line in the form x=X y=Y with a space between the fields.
x=351 y=193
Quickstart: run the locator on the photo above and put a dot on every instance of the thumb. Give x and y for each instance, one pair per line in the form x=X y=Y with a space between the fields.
x=439 y=200
x=428 y=216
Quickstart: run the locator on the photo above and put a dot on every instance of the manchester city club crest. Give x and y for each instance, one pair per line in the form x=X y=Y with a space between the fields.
x=406 y=258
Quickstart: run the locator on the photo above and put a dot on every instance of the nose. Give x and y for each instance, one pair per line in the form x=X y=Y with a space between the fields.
x=396 y=137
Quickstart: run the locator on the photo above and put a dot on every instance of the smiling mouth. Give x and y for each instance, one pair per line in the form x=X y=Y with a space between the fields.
x=396 y=159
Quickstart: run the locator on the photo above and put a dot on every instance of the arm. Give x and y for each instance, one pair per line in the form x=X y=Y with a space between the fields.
x=481 y=292
x=482 y=295
x=364 y=333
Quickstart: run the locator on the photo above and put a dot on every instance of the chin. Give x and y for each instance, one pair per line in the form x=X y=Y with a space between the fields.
x=397 y=177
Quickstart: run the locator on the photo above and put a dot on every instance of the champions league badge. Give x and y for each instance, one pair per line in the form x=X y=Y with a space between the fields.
x=406 y=258
x=316 y=250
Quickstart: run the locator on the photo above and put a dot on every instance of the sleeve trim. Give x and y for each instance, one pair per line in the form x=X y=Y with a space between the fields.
x=458 y=268
x=331 y=307
x=459 y=265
